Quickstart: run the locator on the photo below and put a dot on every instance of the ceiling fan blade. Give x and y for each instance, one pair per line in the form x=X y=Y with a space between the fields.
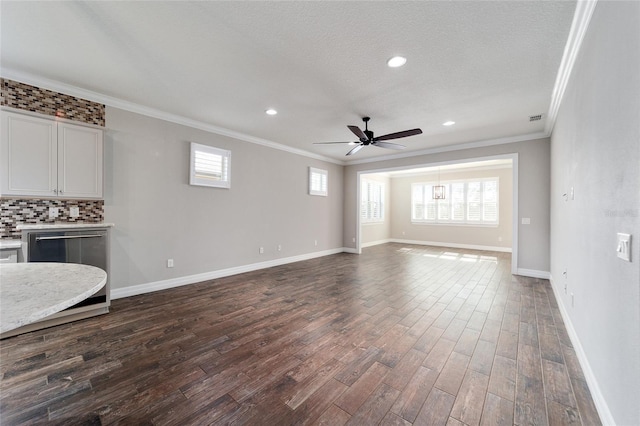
x=398 y=135
x=389 y=145
x=328 y=143
x=354 y=150
x=359 y=133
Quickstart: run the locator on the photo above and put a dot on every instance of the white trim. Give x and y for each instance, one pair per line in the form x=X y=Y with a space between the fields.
x=375 y=243
x=533 y=273
x=478 y=144
x=581 y=19
x=322 y=173
x=596 y=393
x=452 y=245
x=351 y=250
x=514 y=158
x=392 y=175
x=50 y=117
x=515 y=231
x=119 y=293
x=225 y=166
x=152 y=112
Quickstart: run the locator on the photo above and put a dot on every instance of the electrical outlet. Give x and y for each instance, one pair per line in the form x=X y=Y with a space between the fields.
x=279 y=247
x=315 y=242
x=74 y=211
x=169 y=263
x=572 y=300
x=526 y=221
x=261 y=250
x=353 y=239
x=53 y=212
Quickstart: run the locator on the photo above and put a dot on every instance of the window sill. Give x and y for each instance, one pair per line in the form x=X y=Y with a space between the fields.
x=465 y=225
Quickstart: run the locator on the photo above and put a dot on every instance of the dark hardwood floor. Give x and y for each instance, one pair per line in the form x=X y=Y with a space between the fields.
x=399 y=335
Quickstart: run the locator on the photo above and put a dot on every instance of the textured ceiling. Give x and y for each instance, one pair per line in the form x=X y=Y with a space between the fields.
x=487 y=66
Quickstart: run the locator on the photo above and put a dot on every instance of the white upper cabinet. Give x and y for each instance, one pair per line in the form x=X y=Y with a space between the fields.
x=29 y=156
x=79 y=161
x=44 y=158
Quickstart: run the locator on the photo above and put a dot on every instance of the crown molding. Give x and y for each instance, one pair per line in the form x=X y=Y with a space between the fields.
x=458 y=147
x=152 y=112
x=581 y=19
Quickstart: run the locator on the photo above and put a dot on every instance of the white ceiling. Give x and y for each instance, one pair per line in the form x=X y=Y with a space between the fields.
x=487 y=65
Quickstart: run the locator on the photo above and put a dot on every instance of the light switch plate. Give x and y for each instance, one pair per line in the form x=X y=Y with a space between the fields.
x=74 y=211
x=624 y=246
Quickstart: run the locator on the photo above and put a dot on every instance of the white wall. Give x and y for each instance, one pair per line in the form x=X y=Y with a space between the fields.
x=158 y=215
x=533 y=190
x=379 y=231
x=467 y=235
x=595 y=148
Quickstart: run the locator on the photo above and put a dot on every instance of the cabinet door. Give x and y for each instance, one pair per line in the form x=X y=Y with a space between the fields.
x=80 y=161
x=28 y=156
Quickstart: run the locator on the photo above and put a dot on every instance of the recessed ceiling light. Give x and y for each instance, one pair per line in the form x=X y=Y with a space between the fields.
x=271 y=111
x=396 y=61
x=448 y=123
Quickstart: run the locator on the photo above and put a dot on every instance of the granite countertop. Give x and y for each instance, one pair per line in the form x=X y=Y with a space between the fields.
x=62 y=225
x=10 y=244
x=33 y=291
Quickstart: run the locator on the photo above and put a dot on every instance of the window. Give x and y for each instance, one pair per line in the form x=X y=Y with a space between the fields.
x=372 y=201
x=318 y=181
x=210 y=166
x=473 y=201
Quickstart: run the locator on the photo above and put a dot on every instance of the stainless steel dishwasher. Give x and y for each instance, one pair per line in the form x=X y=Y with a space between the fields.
x=87 y=246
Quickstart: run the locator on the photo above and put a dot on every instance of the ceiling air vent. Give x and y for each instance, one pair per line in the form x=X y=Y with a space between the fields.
x=535 y=117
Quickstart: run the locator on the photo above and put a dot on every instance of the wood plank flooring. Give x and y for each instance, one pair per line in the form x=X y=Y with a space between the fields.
x=399 y=335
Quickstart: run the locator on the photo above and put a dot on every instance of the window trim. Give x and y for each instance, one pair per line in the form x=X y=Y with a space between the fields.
x=226 y=168
x=452 y=222
x=376 y=220
x=323 y=173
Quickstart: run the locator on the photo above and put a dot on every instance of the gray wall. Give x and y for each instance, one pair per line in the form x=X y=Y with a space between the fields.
x=595 y=148
x=373 y=232
x=158 y=215
x=492 y=236
x=533 y=189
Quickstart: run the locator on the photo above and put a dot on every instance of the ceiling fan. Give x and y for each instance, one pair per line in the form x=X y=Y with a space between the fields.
x=365 y=137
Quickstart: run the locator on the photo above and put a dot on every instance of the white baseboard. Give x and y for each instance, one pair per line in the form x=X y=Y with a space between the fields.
x=350 y=250
x=598 y=399
x=118 y=293
x=451 y=245
x=533 y=273
x=375 y=243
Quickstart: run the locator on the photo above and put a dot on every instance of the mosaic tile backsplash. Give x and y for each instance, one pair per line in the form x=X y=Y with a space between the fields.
x=30 y=98
x=16 y=211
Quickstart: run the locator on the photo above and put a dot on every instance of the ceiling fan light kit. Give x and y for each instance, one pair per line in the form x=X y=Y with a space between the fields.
x=366 y=137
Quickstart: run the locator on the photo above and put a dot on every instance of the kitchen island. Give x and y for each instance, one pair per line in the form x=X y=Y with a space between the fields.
x=30 y=292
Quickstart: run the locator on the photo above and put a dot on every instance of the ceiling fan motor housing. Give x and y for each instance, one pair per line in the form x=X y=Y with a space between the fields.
x=366 y=131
